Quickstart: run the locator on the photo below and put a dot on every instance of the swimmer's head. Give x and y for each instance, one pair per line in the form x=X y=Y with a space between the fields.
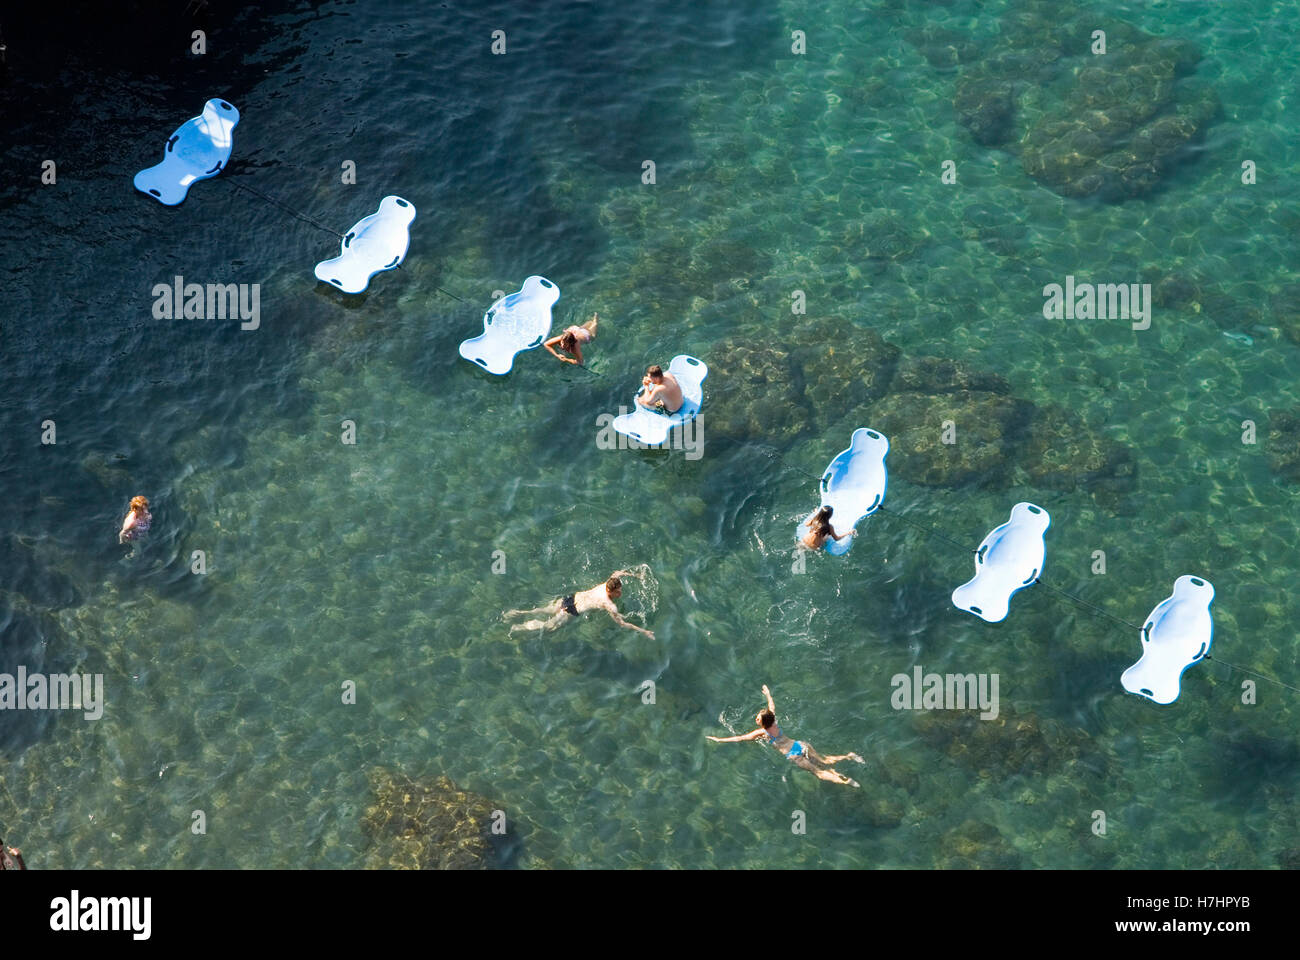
x=766 y=718
x=655 y=373
x=139 y=503
x=568 y=341
x=613 y=586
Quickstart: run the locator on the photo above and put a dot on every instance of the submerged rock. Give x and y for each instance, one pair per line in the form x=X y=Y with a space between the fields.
x=935 y=375
x=998 y=229
x=753 y=393
x=1112 y=125
x=976 y=845
x=1284 y=444
x=1175 y=290
x=1061 y=452
x=890 y=236
x=428 y=825
x=1012 y=744
x=843 y=366
x=987 y=427
x=1121 y=127
x=986 y=107
x=1285 y=306
x=828 y=370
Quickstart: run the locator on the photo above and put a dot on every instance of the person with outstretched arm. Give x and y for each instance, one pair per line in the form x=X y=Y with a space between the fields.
x=603 y=596
x=801 y=754
x=571 y=341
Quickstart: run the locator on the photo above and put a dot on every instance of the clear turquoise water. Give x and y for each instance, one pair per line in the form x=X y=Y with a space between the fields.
x=372 y=563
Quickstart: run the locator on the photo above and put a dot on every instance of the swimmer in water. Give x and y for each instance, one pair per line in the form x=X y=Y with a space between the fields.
x=11 y=858
x=137 y=520
x=802 y=754
x=600 y=597
x=819 y=528
x=662 y=391
x=572 y=339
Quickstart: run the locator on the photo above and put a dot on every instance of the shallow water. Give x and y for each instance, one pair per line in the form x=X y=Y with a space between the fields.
x=372 y=562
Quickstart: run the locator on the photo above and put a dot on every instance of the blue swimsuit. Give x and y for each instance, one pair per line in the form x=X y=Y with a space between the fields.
x=796 y=748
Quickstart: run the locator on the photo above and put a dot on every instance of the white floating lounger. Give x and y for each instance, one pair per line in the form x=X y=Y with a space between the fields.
x=197 y=150
x=1176 y=635
x=519 y=321
x=1009 y=558
x=374 y=244
x=853 y=486
x=651 y=426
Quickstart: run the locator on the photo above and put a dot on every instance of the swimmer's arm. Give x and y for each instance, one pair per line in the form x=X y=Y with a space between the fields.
x=739 y=738
x=651 y=394
x=768 y=693
x=127 y=524
x=851 y=533
x=550 y=346
x=577 y=352
x=628 y=573
x=618 y=618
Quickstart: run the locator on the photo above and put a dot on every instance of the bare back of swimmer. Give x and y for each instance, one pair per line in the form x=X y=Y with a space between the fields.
x=603 y=596
x=819 y=528
x=801 y=754
x=662 y=391
x=571 y=341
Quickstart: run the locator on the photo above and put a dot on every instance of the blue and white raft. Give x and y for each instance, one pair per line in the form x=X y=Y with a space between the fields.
x=374 y=244
x=853 y=486
x=651 y=426
x=519 y=321
x=197 y=150
x=1009 y=558
x=1176 y=635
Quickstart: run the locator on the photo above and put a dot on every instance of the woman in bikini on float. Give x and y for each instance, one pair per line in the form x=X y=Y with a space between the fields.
x=801 y=754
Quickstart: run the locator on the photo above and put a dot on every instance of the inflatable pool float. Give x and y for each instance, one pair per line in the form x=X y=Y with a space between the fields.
x=853 y=486
x=652 y=426
x=517 y=322
x=1176 y=635
x=374 y=244
x=198 y=150
x=1009 y=559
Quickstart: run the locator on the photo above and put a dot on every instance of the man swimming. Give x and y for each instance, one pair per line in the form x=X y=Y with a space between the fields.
x=802 y=754
x=662 y=391
x=600 y=597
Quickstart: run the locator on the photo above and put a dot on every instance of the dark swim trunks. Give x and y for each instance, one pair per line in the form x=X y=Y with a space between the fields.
x=568 y=606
